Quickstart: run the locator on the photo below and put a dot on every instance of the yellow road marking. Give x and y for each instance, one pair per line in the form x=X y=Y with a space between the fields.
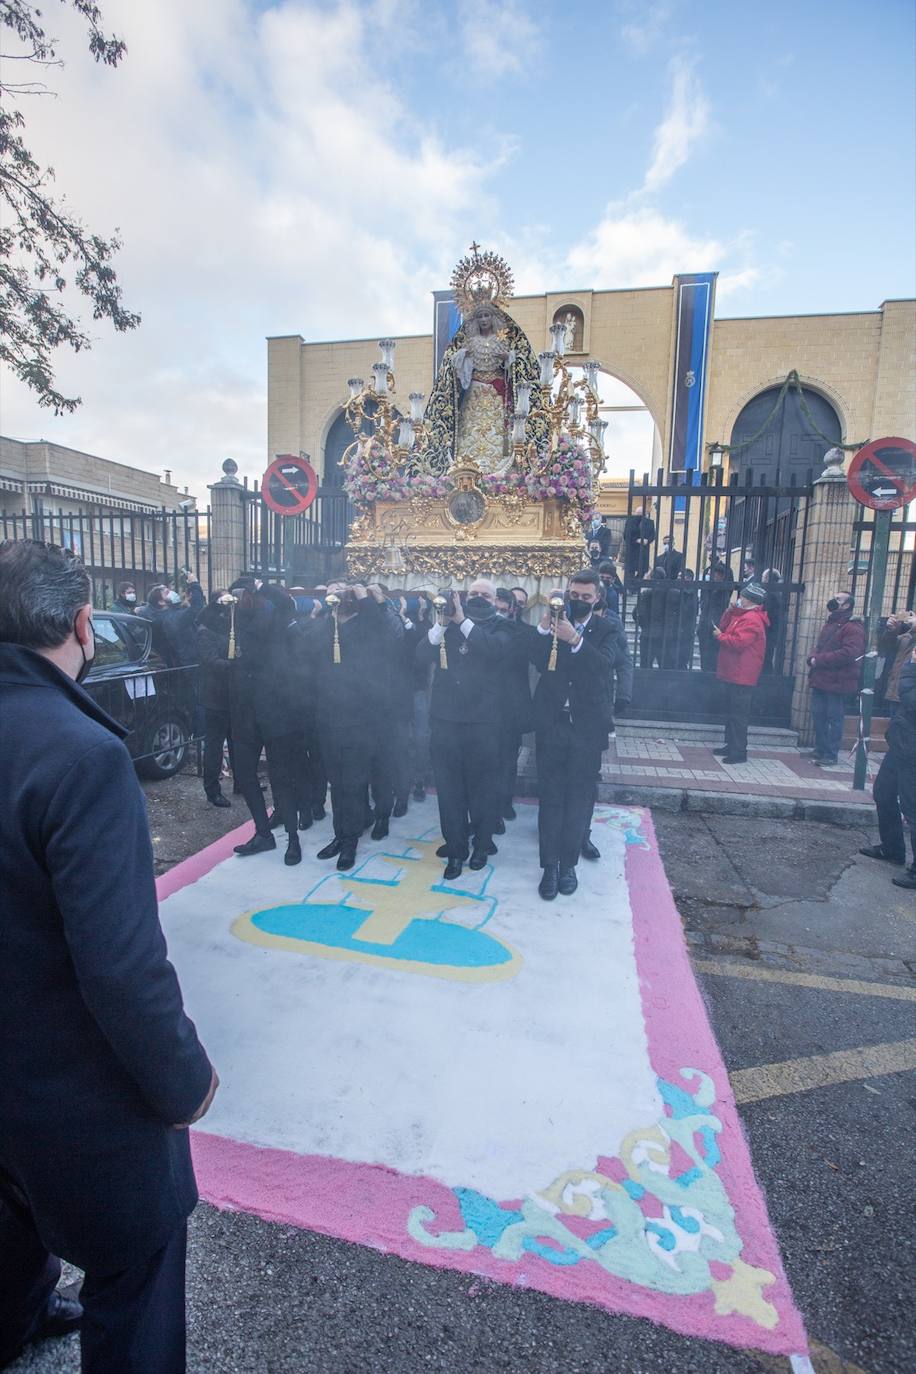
x=805 y=980
x=821 y=1070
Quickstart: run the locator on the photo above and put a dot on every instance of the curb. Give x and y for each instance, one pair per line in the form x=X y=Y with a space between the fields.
x=709 y=803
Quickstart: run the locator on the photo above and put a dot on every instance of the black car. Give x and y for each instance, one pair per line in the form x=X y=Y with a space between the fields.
x=130 y=680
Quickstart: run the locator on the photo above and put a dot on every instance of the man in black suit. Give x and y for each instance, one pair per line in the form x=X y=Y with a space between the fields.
x=101 y=1071
x=350 y=659
x=572 y=716
x=638 y=538
x=465 y=722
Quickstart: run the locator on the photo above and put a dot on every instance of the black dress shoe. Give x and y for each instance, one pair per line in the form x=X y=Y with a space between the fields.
x=442 y=851
x=258 y=844
x=478 y=859
x=589 y=850
x=275 y=820
x=907 y=879
x=63 y=1316
x=347 y=857
x=400 y=808
x=509 y=812
x=318 y=812
x=876 y=851
x=217 y=799
x=500 y=827
x=488 y=848
x=734 y=758
x=380 y=829
x=331 y=850
x=305 y=820
x=720 y=753
x=452 y=870
x=567 y=882
x=549 y=885
x=293 y=853
x=419 y=793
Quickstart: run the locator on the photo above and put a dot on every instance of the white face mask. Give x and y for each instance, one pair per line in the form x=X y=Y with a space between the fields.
x=130 y=596
x=173 y=598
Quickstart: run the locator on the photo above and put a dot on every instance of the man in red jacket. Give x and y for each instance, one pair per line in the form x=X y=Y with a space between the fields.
x=742 y=639
x=834 y=671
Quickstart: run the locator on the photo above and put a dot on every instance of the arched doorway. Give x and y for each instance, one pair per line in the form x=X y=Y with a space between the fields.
x=339 y=439
x=790 y=444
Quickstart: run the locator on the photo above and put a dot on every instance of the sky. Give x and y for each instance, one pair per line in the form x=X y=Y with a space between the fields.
x=317 y=168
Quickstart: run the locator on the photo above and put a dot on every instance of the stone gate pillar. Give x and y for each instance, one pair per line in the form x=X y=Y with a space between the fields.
x=227 y=527
x=827 y=556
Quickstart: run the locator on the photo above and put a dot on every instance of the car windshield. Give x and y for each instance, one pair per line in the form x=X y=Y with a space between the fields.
x=111 y=649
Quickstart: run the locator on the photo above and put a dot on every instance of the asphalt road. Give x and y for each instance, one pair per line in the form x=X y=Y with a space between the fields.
x=763 y=902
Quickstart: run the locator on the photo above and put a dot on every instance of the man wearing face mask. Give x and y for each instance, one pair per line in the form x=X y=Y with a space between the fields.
x=742 y=639
x=126 y=600
x=467 y=654
x=572 y=719
x=834 y=670
x=174 y=624
x=100 y=1069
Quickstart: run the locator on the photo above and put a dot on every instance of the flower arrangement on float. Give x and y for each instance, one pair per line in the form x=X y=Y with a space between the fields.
x=566 y=475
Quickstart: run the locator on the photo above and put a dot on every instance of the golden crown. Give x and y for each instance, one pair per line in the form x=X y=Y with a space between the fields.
x=481 y=279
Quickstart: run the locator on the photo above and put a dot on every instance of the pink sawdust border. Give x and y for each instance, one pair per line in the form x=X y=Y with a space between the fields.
x=369 y=1204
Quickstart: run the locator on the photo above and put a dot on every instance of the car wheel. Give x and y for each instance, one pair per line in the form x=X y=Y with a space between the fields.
x=165 y=749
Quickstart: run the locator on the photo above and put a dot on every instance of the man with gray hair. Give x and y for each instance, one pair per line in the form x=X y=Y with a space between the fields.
x=101 y=1072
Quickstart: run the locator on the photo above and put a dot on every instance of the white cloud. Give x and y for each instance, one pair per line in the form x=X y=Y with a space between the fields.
x=265 y=179
x=640 y=247
x=685 y=123
x=641 y=33
x=499 y=36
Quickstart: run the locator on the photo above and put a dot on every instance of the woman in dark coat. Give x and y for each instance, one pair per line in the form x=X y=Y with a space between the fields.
x=213 y=682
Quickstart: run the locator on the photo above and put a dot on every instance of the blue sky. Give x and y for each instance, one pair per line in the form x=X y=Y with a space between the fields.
x=318 y=167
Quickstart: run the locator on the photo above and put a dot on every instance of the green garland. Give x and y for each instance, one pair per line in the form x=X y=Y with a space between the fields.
x=792 y=379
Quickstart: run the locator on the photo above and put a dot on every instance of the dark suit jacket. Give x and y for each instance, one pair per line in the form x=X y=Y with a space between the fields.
x=97 y=1057
x=470 y=691
x=583 y=679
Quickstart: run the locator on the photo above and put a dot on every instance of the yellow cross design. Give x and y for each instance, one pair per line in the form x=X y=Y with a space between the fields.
x=391 y=909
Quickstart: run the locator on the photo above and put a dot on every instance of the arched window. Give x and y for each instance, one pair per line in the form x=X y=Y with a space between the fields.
x=340 y=437
x=791 y=442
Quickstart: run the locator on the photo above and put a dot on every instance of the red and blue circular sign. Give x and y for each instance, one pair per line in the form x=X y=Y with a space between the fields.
x=290 y=485
x=882 y=475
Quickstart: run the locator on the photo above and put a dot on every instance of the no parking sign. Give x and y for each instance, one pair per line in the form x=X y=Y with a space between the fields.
x=290 y=485
x=882 y=475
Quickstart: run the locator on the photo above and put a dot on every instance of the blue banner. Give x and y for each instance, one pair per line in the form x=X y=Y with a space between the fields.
x=695 y=301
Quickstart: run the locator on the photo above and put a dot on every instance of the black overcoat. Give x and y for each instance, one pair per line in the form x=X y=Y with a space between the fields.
x=97 y=1057
x=469 y=691
x=581 y=679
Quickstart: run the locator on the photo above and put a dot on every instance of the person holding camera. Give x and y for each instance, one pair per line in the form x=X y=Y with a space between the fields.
x=572 y=720
x=894 y=788
x=351 y=644
x=896 y=642
x=467 y=648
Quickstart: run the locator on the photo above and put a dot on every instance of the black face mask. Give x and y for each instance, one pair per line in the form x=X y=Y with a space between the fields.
x=833 y=604
x=87 y=662
x=478 y=609
x=578 y=610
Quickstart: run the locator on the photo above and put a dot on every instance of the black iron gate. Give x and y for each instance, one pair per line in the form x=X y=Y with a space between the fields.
x=721 y=533
x=143 y=547
x=300 y=550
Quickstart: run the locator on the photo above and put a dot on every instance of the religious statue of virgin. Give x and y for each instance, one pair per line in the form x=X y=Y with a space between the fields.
x=469 y=414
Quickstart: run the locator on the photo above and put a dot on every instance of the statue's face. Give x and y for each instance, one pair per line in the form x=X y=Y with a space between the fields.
x=485 y=322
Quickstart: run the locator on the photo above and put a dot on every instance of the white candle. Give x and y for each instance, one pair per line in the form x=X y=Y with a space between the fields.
x=380 y=375
x=523 y=398
x=416 y=405
x=546 y=360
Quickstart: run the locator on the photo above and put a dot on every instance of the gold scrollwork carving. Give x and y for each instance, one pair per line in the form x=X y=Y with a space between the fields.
x=461 y=561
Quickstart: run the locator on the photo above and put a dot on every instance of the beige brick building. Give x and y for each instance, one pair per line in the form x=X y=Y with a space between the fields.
x=69 y=480
x=861 y=365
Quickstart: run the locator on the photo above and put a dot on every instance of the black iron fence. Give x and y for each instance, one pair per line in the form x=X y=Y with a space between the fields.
x=306 y=547
x=900 y=586
x=719 y=534
x=142 y=547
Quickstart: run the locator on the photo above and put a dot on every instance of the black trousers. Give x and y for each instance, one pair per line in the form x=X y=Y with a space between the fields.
x=389 y=773
x=894 y=790
x=281 y=770
x=568 y=765
x=134 y=1320
x=348 y=754
x=465 y=759
x=510 y=742
x=737 y=714
x=310 y=781
x=216 y=733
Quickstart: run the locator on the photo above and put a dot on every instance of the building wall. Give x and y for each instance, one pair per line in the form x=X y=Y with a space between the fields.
x=86 y=472
x=864 y=363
